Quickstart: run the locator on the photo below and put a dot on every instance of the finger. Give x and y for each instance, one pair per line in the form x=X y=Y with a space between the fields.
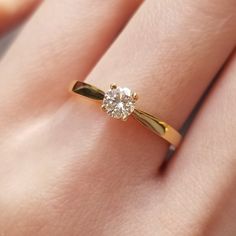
x=169 y=65
x=62 y=42
x=14 y=11
x=203 y=172
x=112 y=162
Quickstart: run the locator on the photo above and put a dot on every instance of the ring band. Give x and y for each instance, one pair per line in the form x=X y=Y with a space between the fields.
x=120 y=102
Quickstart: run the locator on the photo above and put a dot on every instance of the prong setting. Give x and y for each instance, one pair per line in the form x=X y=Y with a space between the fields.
x=103 y=107
x=135 y=96
x=119 y=102
x=113 y=86
x=125 y=118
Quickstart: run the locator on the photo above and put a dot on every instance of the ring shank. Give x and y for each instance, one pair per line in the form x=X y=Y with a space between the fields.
x=158 y=127
x=151 y=122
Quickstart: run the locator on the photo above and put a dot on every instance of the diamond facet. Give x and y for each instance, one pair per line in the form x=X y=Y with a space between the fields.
x=119 y=102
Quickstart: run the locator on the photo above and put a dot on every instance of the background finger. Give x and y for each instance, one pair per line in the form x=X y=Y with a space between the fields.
x=14 y=11
x=203 y=172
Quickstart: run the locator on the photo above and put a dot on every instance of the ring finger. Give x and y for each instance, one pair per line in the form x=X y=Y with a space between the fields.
x=168 y=56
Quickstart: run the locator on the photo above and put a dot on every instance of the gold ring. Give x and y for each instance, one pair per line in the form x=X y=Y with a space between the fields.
x=120 y=103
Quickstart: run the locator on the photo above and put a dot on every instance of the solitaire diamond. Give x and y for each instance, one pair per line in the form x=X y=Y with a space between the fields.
x=119 y=102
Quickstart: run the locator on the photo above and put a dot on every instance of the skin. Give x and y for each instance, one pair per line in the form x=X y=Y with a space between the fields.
x=13 y=12
x=66 y=168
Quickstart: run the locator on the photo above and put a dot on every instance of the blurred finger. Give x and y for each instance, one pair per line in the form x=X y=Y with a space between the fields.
x=14 y=11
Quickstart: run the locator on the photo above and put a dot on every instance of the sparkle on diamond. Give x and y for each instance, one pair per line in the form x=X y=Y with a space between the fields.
x=119 y=102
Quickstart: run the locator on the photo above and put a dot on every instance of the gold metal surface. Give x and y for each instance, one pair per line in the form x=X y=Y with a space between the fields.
x=88 y=90
x=151 y=122
x=158 y=127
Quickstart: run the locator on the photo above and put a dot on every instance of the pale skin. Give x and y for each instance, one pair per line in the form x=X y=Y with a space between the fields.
x=66 y=168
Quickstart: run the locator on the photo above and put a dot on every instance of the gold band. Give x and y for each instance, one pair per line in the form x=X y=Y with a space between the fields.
x=154 y=124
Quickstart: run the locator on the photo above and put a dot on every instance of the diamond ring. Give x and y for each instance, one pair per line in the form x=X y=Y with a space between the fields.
x=120 y=103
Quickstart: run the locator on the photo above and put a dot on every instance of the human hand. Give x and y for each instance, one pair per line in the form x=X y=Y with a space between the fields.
x=68 y=169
